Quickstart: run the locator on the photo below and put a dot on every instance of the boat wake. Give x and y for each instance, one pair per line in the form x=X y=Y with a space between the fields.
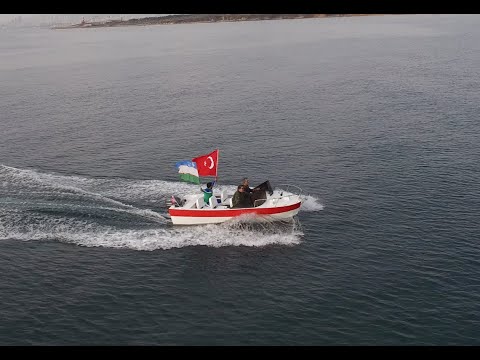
x=119 y=213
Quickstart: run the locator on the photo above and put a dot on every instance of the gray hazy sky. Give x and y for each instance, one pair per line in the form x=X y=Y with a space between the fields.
x=8 y=17
x=5 y=18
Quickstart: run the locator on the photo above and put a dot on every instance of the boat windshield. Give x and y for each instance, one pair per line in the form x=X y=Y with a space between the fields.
x=265 y=186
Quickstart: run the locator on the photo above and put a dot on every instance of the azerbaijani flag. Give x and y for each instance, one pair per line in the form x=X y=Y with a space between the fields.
x=188 y=171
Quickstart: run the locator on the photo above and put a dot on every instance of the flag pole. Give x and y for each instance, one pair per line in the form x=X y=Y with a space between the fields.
x=216 y=172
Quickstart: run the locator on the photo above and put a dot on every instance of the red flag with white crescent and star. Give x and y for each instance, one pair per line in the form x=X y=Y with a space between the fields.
x=207 y=164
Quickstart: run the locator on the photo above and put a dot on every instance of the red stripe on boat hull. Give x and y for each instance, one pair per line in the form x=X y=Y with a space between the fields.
x=232 y=212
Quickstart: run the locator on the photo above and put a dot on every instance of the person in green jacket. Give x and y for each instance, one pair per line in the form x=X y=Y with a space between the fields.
x=208 y=192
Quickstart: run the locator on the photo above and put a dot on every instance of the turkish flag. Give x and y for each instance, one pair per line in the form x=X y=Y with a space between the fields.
x=207 y=164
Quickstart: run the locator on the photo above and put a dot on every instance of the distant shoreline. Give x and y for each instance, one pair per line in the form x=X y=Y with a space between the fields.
x=199 y=18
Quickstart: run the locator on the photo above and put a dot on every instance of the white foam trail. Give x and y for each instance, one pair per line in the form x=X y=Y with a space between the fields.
x=152 y=191
x=210 y=235
x=56 y=182
x=27 y=216
x=156 y=190
x=85 y=233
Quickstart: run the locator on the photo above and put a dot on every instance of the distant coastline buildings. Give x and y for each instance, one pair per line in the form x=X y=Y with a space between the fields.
x=52 y=20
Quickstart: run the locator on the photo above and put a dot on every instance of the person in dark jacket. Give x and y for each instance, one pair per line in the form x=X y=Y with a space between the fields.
x=246 y=185
x=241 y=198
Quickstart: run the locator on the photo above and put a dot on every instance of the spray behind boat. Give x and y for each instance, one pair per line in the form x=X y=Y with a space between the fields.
x=175 y=200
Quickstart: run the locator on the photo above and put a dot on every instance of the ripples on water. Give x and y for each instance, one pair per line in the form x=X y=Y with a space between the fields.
x=374 y=117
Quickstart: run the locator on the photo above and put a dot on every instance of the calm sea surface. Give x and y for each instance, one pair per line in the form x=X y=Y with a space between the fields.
x=375 y=118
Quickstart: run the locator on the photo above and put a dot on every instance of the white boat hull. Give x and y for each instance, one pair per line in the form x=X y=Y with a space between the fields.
x=192 y=220
x=278 y=206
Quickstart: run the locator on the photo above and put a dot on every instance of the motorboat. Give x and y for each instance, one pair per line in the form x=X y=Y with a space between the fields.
x=267 y=205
